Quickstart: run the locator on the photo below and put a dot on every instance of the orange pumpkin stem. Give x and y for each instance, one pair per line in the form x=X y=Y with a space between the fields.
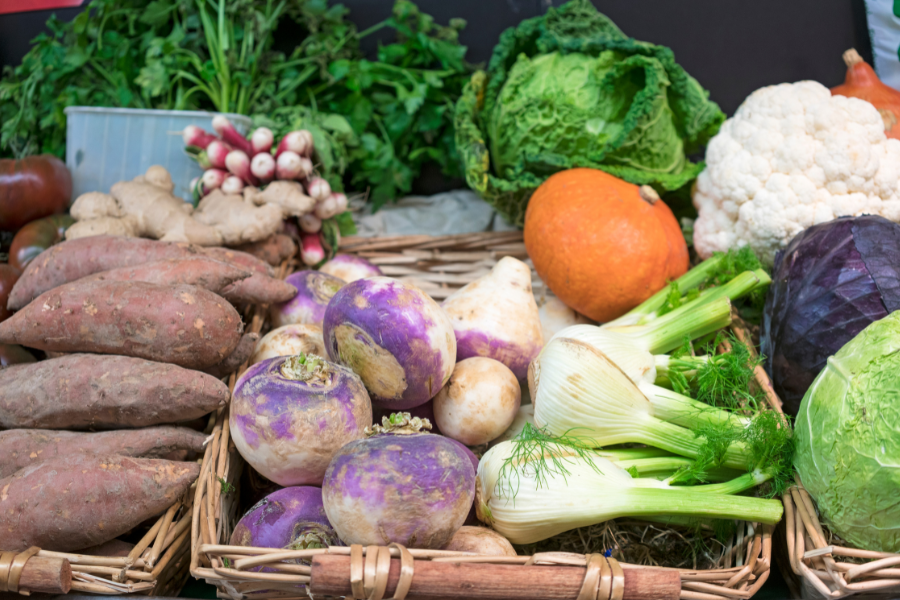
x=648 y=195
x=852 y=57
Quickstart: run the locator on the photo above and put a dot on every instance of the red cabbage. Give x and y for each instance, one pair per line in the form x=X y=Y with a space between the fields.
x=828 y=284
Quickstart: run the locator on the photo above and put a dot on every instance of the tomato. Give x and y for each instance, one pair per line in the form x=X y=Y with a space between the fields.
x=32 y=188
x=8 y=277
x=36 y=237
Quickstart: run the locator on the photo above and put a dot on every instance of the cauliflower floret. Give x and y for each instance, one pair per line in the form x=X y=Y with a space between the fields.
x=793 y=156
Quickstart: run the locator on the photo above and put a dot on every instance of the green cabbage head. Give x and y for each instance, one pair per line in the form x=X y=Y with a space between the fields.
x=848 y=438
x=569 y=89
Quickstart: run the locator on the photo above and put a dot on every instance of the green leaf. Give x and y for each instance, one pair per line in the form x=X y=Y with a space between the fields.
x=345 y=223
x=157 y=13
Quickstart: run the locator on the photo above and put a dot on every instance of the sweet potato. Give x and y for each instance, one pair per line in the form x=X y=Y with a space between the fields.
x=260 y=287
x=83 y=500
x=181 y=324
x=236 y=358
x=74 y=259
x=22 y=447
x=202 y=271
x=272 y=250
x=93 y=391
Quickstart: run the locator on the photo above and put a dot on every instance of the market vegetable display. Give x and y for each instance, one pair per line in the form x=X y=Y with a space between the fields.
x=569 y=89
x=479 y=401
x=401 y=484
x=602 y=245
x=831 y=282
x=791 y=157
x=292 y=518
x=314 y=291
x=94 y=391
x=394 y=336
x=290 y=415
x=496 y=317
x=349 y=268
x=847 y=441
x=180 y=324
x=115 y=495
x=32 y=188
x=289 y=340
x=23 y=447
x=862 y=82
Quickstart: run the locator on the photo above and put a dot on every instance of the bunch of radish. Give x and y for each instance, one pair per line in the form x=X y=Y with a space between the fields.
x=232 y=162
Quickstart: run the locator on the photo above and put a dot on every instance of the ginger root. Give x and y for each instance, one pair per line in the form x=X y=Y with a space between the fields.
x=145 y=207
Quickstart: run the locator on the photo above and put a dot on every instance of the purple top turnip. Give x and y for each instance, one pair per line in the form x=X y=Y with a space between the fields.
x=394 y=336
x=350 y=268
x=496 y=316
x=293 y=517
x=399 y=485
x=301 y=338
x=289 y=415
x=314 y=291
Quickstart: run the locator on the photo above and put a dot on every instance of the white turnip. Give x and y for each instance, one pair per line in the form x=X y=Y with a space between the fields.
x=479 y=402
x=350 y=268
x=289 y=165
x=263 y=166
x=232 y=185
x=496 y=316
x=302 y=338
x=480 y=540
x=318 y=189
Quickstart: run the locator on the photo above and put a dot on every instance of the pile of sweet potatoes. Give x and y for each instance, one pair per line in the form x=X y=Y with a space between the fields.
x=137 y=334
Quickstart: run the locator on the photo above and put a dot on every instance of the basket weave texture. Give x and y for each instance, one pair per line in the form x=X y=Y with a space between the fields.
x=439 y=266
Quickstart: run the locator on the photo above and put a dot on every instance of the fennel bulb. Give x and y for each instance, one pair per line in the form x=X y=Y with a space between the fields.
x=532 y=496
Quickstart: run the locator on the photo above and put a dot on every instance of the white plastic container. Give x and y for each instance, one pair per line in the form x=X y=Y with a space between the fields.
x=108 y=145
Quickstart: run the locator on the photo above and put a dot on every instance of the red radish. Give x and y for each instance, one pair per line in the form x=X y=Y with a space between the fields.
x=288 y=165
x=216 y=152
x=300 y=142
x=311 y=250
x=310 y=223
x=318 y=189
x=327 y=208
x=212 y=179
x=194 y=136
x=341 y=201
x=238 y=163
x=231 y=135
x=261 y=140
x=263 y=166
x=306 y=167
x=232 y=185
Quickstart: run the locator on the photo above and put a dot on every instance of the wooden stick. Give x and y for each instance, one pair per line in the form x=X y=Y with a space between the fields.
x=46 y=575
x=331 y=577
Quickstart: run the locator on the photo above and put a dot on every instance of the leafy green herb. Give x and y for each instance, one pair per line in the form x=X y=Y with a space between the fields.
x=227 y=487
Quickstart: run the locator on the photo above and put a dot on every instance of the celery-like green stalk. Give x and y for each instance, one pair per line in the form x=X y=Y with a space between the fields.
x=683 y=410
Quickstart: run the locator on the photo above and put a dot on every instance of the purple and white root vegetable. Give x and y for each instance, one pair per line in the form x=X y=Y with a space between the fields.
x=238 y=164
x=318 y=189
x=289 y=340
x=300 y=141
x=479 y=402
x=216 y=154
x=261 y=140
x=289 y=165
x=350 y=268
x=423 y=411
x=230 y=135
x=326 y=208
x=310 y=223
x=394 y=336
x=496 y=316
x=480 y=540
x=232 y=185
x=263 y=166
x=399 y=485
x=311 y=250
x=289 y=415
x=212 y=179
x=314 y=291
x=196 y=137
x=472 y=518
x=292 y=518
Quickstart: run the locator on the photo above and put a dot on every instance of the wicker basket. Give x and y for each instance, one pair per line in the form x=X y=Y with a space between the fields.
x=819 y=568
x=439 y=266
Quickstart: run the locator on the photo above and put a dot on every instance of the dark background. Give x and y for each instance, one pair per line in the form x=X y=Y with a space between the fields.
x=731 y=47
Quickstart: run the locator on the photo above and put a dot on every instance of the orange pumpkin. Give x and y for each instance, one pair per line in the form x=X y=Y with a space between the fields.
x=602 y=245
x=862 y=82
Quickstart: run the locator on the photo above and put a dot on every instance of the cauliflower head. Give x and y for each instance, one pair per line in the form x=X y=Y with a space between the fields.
x=793 y=156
